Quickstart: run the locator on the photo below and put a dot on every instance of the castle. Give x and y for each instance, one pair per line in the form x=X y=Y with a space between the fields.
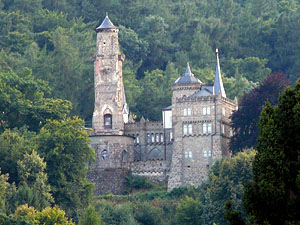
x=178 y=151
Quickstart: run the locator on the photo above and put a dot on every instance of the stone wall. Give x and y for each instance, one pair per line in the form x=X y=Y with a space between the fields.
x=110 y=180
x=155 y=170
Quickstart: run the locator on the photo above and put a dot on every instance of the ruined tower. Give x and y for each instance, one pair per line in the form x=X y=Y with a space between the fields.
x=110 y=112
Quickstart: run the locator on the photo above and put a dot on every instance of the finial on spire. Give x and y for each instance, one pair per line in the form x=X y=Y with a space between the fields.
x=106 y=14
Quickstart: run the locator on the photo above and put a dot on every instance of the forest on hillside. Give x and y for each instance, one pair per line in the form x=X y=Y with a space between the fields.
x=57 y=41
x=47 y=48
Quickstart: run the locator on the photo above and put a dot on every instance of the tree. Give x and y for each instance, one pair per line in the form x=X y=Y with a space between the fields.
x=22 y=102
x=226 y=182
x=13 y=145
x=189 y=212
x=274 y=195
x=64 y=145
x=245 y=119
x=3 y=186
x=232 y=216
x=31 y=173
x=90 y=217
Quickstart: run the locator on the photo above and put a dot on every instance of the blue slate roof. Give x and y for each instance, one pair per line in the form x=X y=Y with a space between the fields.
x=187 y=77
x=106 y=24
x=204 y=91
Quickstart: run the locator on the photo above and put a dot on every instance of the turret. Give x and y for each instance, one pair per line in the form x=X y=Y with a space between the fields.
x=110 y=110
x=186 y=85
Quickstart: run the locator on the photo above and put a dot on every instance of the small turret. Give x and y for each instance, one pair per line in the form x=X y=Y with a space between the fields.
x=218 y=84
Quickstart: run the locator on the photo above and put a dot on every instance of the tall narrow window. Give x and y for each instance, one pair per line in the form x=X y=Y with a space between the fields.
x=152 y=138
x=208 y=110
x=184 y=112
x=204 y=128
x=209 y=153
x=185 y=129
x=190 y=129
x=157 y=137
x=205 y=153
x=161 y=138
x=186 y=155
x=171 y=136
x=204 y=110
x=190 y=154
x=137 y=138
x=124 y=155
x=209 y=128
x=107 y=121
x=223 y=129
x=148 y=138
x=189 y=111
x=104 y=155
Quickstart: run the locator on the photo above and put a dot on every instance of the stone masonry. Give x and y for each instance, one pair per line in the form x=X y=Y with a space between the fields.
x=178 y=151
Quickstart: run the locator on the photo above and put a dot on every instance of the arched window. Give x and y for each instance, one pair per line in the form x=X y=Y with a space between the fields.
x=104 y=155
x=107 y=121
x=124 y=155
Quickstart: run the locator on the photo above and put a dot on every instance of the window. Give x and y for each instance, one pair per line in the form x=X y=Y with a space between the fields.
x=137 y=139
x=188 y=154
x=124 y=155
x=185 y=129
x=209 y=128
x=189 y=111
x=171 y=136
x=205 y=153
x=206 y=110
x=148 y=138
x=104 y=155
x=209 y=153
x=107 y=121
x=223 y=129
x=157 y=138
x=152 y=138
x=161 y=137
x=204 y=126
x=184 y=112
x=190 y=129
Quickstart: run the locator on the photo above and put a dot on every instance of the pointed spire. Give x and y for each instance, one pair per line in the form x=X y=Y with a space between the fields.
x=188 y=71
x=106 y=24
x=218 y=84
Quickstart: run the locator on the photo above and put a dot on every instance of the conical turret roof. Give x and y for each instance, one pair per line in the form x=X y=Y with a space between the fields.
x=187 y=77
x=106 y=24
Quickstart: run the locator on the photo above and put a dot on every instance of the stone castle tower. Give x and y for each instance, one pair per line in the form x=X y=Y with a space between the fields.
x=111 y=110
x=177 y=151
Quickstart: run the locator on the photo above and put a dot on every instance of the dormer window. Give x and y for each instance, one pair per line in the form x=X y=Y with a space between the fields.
x=107 y=121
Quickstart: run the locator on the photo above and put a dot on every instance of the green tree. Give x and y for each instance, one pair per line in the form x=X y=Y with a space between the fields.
x=273 y=196
x=90 y=217
x=31 y=173
x=189 y=212
x=64 y=145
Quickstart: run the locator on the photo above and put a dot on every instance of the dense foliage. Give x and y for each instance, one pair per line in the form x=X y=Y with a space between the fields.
x=245 y=119
x=55 y=39
x=274 y=195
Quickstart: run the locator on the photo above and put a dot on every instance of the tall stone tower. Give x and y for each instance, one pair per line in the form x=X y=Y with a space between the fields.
x=110 y=112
